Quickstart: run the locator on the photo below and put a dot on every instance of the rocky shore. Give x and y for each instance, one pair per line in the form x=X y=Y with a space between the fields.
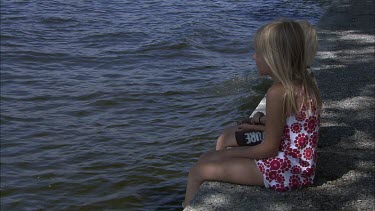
x=344 y=68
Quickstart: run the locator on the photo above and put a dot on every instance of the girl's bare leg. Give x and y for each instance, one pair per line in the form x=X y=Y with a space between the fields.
x=227 y=138
x=232 y=170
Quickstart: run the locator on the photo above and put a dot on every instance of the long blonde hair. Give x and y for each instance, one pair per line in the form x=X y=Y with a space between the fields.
x=311 y=41
x=281 y=44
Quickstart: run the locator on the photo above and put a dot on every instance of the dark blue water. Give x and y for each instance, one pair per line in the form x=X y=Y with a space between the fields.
x=105 y=105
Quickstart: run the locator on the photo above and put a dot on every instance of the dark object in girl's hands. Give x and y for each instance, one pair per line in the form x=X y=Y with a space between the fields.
x=249 y=137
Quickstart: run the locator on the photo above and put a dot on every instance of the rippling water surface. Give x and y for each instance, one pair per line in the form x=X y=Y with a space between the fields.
x=106 y=104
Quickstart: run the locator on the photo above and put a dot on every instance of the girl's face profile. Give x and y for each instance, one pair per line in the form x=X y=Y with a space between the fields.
x=262 y=66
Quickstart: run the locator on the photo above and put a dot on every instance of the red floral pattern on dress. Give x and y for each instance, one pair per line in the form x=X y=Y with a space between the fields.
x=280 y=178
x=308 y=172
x=296 y=127
x=285 y=166
x=280 y=187
x=308 y=153
x=307 y=182
x=275 y=164
x=304 y=163
x=286 y=134
x=261 y=168
x=314 y=140
x=271 y=175
x=298 y=147
x=310 y=124
x=301 y=140
x=300 y=116
x=285 y=146
x=294 y=153
x=296 y=170
x=294 y=181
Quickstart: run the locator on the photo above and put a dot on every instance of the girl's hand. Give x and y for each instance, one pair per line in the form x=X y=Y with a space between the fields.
x=247 y=127
x=257 y=118
x=246 y=121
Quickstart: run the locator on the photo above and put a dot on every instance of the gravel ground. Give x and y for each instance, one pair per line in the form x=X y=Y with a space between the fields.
x=344 y=68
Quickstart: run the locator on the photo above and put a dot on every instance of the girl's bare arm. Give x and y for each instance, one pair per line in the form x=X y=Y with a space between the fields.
x=273 y=129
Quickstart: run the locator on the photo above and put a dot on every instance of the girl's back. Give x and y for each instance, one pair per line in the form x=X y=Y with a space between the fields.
x=294 y=165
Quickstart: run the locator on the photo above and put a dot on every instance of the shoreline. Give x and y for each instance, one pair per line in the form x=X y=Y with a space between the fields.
x=345 y=171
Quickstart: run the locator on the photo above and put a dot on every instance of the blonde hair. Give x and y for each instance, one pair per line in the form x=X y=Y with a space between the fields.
x=311 y=41
x=281 y=44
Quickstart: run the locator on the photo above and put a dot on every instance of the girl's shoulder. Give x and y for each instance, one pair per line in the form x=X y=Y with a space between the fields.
x=275 y=95
x=277 y=90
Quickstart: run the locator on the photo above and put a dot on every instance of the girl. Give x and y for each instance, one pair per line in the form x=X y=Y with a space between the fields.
x=287 y=156
x=226 y=139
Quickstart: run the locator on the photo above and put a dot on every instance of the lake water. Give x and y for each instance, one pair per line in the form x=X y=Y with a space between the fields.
x=105 y=105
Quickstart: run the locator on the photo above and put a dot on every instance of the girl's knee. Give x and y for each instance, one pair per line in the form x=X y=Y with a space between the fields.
x=208 y=156
x=195 y=172
x=202 y=171
x=202 y=157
